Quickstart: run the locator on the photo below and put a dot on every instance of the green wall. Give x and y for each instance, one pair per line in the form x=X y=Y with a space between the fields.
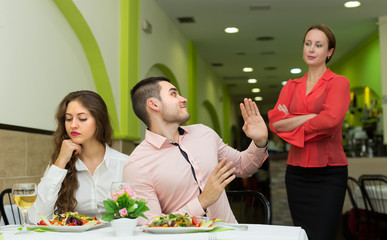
x=93 y=54
x=362 y=67
x=128 y=126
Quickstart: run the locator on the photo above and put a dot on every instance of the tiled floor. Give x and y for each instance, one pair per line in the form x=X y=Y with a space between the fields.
x=279 y=201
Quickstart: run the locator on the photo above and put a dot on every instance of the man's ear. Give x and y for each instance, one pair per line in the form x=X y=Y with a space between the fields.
x=153 y=103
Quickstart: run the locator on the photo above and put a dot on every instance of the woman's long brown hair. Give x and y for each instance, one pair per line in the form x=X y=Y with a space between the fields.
x=66 y=201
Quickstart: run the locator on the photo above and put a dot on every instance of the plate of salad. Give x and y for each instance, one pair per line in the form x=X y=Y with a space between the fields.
x=68 y=222
x=178 y=223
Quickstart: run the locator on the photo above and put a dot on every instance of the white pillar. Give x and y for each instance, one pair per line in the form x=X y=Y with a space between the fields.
x=383 y=61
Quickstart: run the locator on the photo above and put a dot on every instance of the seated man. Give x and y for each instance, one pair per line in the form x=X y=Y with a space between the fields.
x=184 y=169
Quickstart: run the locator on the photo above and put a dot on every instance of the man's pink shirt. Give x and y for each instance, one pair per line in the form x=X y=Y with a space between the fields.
x=159 y=173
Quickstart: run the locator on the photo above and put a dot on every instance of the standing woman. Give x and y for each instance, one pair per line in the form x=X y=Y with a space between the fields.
x=309 y=114
x=83 y=165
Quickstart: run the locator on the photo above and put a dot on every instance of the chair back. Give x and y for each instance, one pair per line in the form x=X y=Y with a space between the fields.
x=10 y=213
x=375 y=194
x=250 y=206
x=375 y=188
x=355 y=221
x=354 y=192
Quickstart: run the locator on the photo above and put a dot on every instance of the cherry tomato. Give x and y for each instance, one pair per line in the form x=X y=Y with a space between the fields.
x=197 y=221
x=42 y=223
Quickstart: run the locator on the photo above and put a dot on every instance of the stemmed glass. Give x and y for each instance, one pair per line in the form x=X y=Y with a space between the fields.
x=116 y=186
x=24 y=195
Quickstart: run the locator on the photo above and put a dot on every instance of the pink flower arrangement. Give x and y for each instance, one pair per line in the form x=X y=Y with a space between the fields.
x=124 y=205
x=123 y=212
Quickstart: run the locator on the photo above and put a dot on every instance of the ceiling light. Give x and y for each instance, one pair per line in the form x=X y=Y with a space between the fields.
x=283 y=83
x=295 y=70
x=252 y=80
x=231 y=30
x=258 y=98
x=248 y=69
x=352 y=4
x=255 y=90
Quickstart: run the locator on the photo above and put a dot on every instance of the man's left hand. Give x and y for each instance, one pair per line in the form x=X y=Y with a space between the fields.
x=254 y=126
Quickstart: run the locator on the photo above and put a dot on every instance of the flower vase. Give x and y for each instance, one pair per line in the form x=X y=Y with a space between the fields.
x=124 y=226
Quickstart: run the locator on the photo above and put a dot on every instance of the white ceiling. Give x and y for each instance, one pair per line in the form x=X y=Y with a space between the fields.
x=285 y=20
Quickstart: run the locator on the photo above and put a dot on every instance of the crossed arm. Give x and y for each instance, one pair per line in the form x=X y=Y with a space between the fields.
x=289 y=124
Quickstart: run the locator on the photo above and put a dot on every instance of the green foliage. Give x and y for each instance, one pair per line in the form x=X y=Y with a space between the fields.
x=124 y=205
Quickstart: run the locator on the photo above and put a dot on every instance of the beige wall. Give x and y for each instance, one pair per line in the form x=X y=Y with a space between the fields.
x=383 y=61
x=23 y=157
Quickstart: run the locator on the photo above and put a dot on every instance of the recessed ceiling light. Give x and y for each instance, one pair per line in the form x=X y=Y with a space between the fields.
x=295 y=70
x=258 y=98
x=255 y=90
x=252 y=80
x=283 y=83
x=231 y=30
x=248 y=69
x=352 y=4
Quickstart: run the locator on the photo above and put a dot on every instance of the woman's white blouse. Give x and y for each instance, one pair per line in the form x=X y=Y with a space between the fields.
x=93 y=189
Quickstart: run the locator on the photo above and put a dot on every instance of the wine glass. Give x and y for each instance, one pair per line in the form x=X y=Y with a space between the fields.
x=117 y=186
x=24 y=195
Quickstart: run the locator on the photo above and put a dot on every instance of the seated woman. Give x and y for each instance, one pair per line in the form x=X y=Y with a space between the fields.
x=83 y=165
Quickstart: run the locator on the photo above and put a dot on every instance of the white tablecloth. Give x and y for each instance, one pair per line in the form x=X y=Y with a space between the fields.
x=255 y=231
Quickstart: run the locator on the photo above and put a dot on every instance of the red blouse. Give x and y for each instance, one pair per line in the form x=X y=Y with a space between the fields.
x=318 y=142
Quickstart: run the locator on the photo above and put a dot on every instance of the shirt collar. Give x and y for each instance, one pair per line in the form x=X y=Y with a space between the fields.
x=80 y=166
x=157 y=140
x=328 y=75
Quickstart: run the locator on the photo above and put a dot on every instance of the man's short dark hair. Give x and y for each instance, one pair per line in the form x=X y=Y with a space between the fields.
x=141 y=92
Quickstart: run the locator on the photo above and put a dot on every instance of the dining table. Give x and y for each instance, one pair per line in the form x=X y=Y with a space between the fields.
x=254 y=231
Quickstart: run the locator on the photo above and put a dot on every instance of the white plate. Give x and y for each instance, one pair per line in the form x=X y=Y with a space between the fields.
x=9 y=228
x=68 y=228
x=170 y=230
